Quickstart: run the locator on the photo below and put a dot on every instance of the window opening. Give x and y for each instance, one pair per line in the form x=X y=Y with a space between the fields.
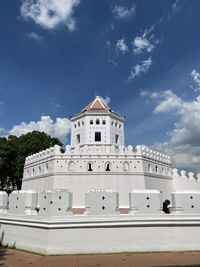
x=104 y=122
x=97 y=122
x=116 y=139
x=91 y=122
x=107 y=167
x=97 y=136
x=78 y=138
x=90 y=167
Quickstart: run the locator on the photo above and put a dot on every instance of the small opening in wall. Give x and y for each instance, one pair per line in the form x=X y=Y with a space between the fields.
x=79 y=124
x=107 y=167
x=59 y=197
x=45 y=197
x=103 y=197
x=103 y=208
x=97 y=122
x=78 y=138
x=90 y=167
x=147 y=198
x=115 y=124
x=191 y=197
x=103 y=122
x=59 y=209
x=156 y=168
x=116 y=139
x=192 y=206
x=51 y=202
x=16 y=207
x=97 y=136
x=91 y=122
x=148 y=206
x=82 y=122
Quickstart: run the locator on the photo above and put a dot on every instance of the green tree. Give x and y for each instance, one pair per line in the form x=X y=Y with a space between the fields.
x=14 y=150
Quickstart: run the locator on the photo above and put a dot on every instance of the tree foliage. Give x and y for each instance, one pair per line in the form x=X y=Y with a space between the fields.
x=14 y=150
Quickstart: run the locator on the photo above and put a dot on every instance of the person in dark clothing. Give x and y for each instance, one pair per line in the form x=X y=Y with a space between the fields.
x=166 y=203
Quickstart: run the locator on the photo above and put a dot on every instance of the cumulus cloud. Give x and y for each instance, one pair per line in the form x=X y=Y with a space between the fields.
x=105 y=100
x=60 y=128
x=124 y=13
x=35 y=36
x=196 y=77
x=184 y=142
x=121 y=47
x=50 y=13
x=146 y=42
x=140 y=68
x=171 y=101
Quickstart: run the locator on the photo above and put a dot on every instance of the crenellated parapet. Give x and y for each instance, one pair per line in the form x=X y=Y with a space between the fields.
x=149 y=153
x=52 y=151
x=184 y=180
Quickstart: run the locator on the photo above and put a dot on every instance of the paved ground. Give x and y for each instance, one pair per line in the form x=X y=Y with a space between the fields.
x=16 y=258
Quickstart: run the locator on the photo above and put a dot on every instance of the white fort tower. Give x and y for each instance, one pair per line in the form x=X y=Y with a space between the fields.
x=98 y=159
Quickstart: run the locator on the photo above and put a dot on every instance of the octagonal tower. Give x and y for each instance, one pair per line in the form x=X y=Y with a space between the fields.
x=97 y=124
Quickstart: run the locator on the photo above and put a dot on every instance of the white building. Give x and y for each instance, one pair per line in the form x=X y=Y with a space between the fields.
x=98 y=159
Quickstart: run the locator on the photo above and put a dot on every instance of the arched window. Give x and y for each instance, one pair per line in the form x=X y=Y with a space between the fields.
x=125 y=166
x=107 y=166
x=103 y=122
x=97 y=122
x=79 y=124
x=71 y=166
x=90 y=167
x=91 y=122
x=115 y=124
x=156 y=168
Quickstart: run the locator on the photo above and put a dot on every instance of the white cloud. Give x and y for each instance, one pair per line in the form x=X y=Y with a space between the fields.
x=146 y=42
x=140 y=68
x=105 y=100
x=34 y=36
x=50 y=13
x=170 y=102
x=124 y=13
x=2 y=130
x=196 y=77
x=184 y=143
x=60 y=128
x=121 y=47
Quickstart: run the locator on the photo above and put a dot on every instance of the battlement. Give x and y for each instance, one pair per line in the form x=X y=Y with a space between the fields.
x=44 y=223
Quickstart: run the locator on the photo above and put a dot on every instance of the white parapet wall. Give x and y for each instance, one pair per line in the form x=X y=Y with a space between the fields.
x=103 y=233
x=145 y=202
x=186 y=202
x=23 y=202
x=55 y=203
x=102 y=202
x=3 y=202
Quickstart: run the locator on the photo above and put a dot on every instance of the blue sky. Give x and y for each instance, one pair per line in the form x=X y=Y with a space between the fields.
x=142 y=57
